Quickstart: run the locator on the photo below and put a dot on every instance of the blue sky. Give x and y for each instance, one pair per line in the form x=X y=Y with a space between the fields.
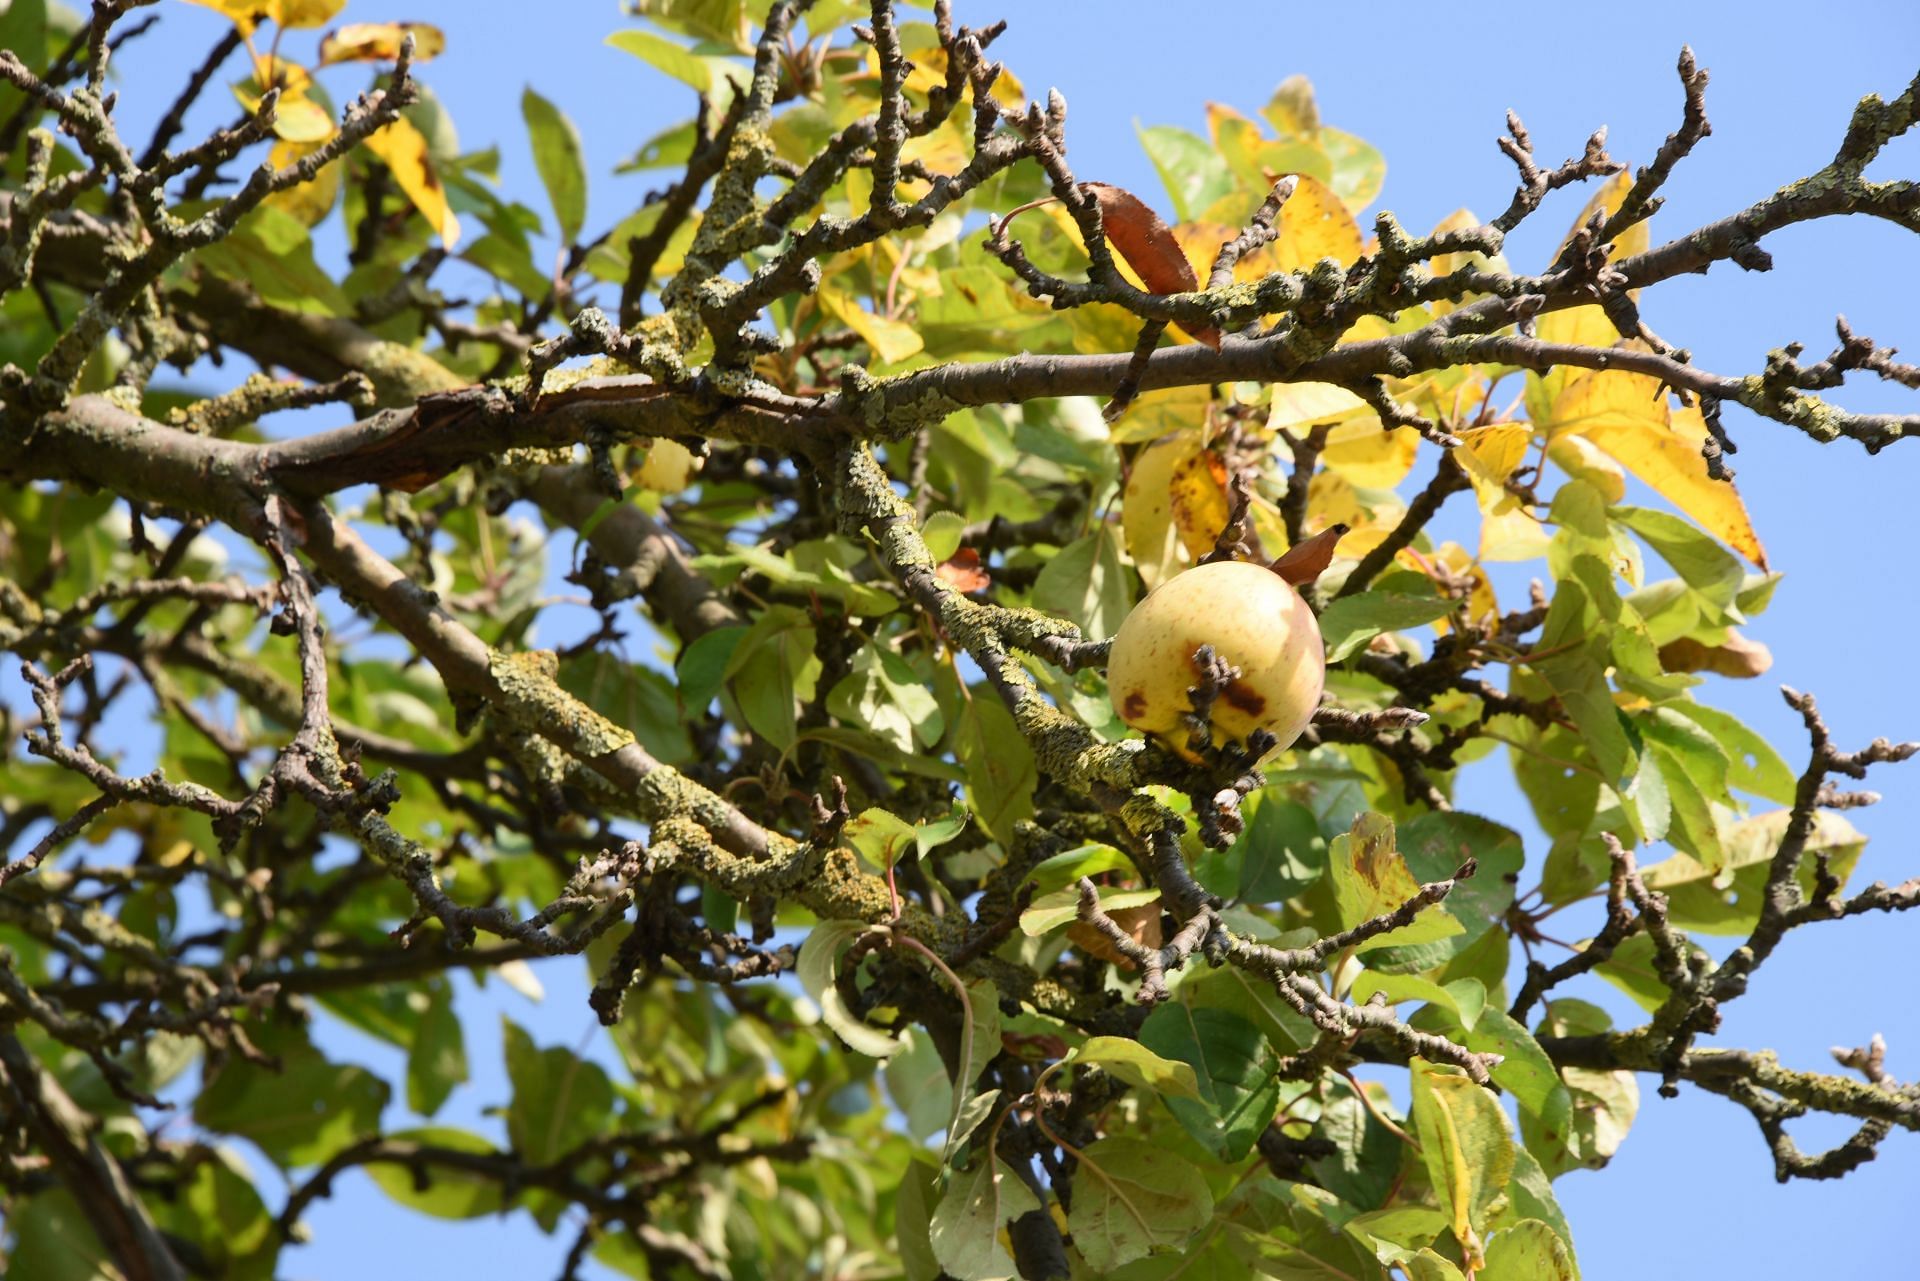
x=1429 y=87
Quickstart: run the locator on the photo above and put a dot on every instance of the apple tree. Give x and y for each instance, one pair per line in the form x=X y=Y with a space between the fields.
x=856 y=443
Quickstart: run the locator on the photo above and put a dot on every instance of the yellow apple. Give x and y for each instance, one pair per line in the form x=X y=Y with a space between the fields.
x=1254 y=619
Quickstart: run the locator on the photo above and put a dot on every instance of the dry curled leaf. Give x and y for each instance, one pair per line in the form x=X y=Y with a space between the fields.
x=1139 y=235
x=961 y=571
x=1142 y=925
x=1736 y=656
x=1302 y=564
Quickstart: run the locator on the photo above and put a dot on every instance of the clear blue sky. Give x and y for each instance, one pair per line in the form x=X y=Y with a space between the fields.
x=1691 y=1193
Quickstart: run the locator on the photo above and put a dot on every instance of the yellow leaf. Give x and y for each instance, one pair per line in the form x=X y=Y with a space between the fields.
x=380 y=42
x=404 y=151
x=1447 y=264
x=1450 y=564
x=891 y=340
x=1371 y=878
x=1627 y=416
x=1582 y=460
x=1199 y=498
x=1588 y=326
x=668 y=468
x=1298 y=405
x=1156 y=413
x=1369 y=455
x=1314 y=225
x=310 y=201
x=303 y=13
x=1489 y=455
x=1331 y=501
x=1174 y=507
x=241 y=13
x=296 y=117
x=1512 y=536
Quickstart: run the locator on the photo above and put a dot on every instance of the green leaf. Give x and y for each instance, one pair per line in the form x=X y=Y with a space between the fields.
x=1131 y=1198
x=913 y=1221
x=557 y=155
x=882 y=694
x=1351 y=621
x=703 y=668
x=1525 y=1071
x=880 y=835
x=1370 y=879
x=271 y=252
x=437 y=1058
x=1702 y=563
x=1462 y=998
x=560 y=1100
x=1365 y=1163
x=300 y=1115
x=1604 y=1104
x=1434 y=845
x=1530 y=1250
x=1728 y=901
x=53 y=1240
x=1464 y=1142
x=1752 y=764
x=1631 y=969
x=1283 y=853
x=220 y=1212
x=1048 y=912
x=941 y=533
x=1239 y=1091
x=706 y=75
x=634 y=697
x=1137 y=1064
x=1194 y=174
x=966 y=1224
x=1530 y=1196
x=449 y=1192
x=1086 y=584
x=981 y=1043
x=1067 y=867
x=1001 y=772
x=819 y=963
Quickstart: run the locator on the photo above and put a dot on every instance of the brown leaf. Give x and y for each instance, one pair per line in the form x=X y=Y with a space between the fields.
x=1736 y=656
x=1302 y=564
x=1142 y=925
x=961 y=571
x=1137 y=233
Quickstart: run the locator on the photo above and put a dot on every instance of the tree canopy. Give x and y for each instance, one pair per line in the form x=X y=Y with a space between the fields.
x=860 y=438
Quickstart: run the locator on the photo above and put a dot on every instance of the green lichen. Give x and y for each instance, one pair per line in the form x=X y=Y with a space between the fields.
x=530 y=698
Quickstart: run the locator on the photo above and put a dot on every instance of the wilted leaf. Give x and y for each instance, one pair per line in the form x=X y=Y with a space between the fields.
x=1370 y=878
x=1141 y=924
x=1138 y=235
x=1303 y=563
x=1736 y=656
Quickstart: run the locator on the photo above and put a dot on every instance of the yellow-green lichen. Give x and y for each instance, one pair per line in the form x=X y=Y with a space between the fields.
x=530 y=698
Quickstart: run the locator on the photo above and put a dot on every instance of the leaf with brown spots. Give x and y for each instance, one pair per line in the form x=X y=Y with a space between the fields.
x=1139 y=235
x=1302 y=564
x=1197 y=498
